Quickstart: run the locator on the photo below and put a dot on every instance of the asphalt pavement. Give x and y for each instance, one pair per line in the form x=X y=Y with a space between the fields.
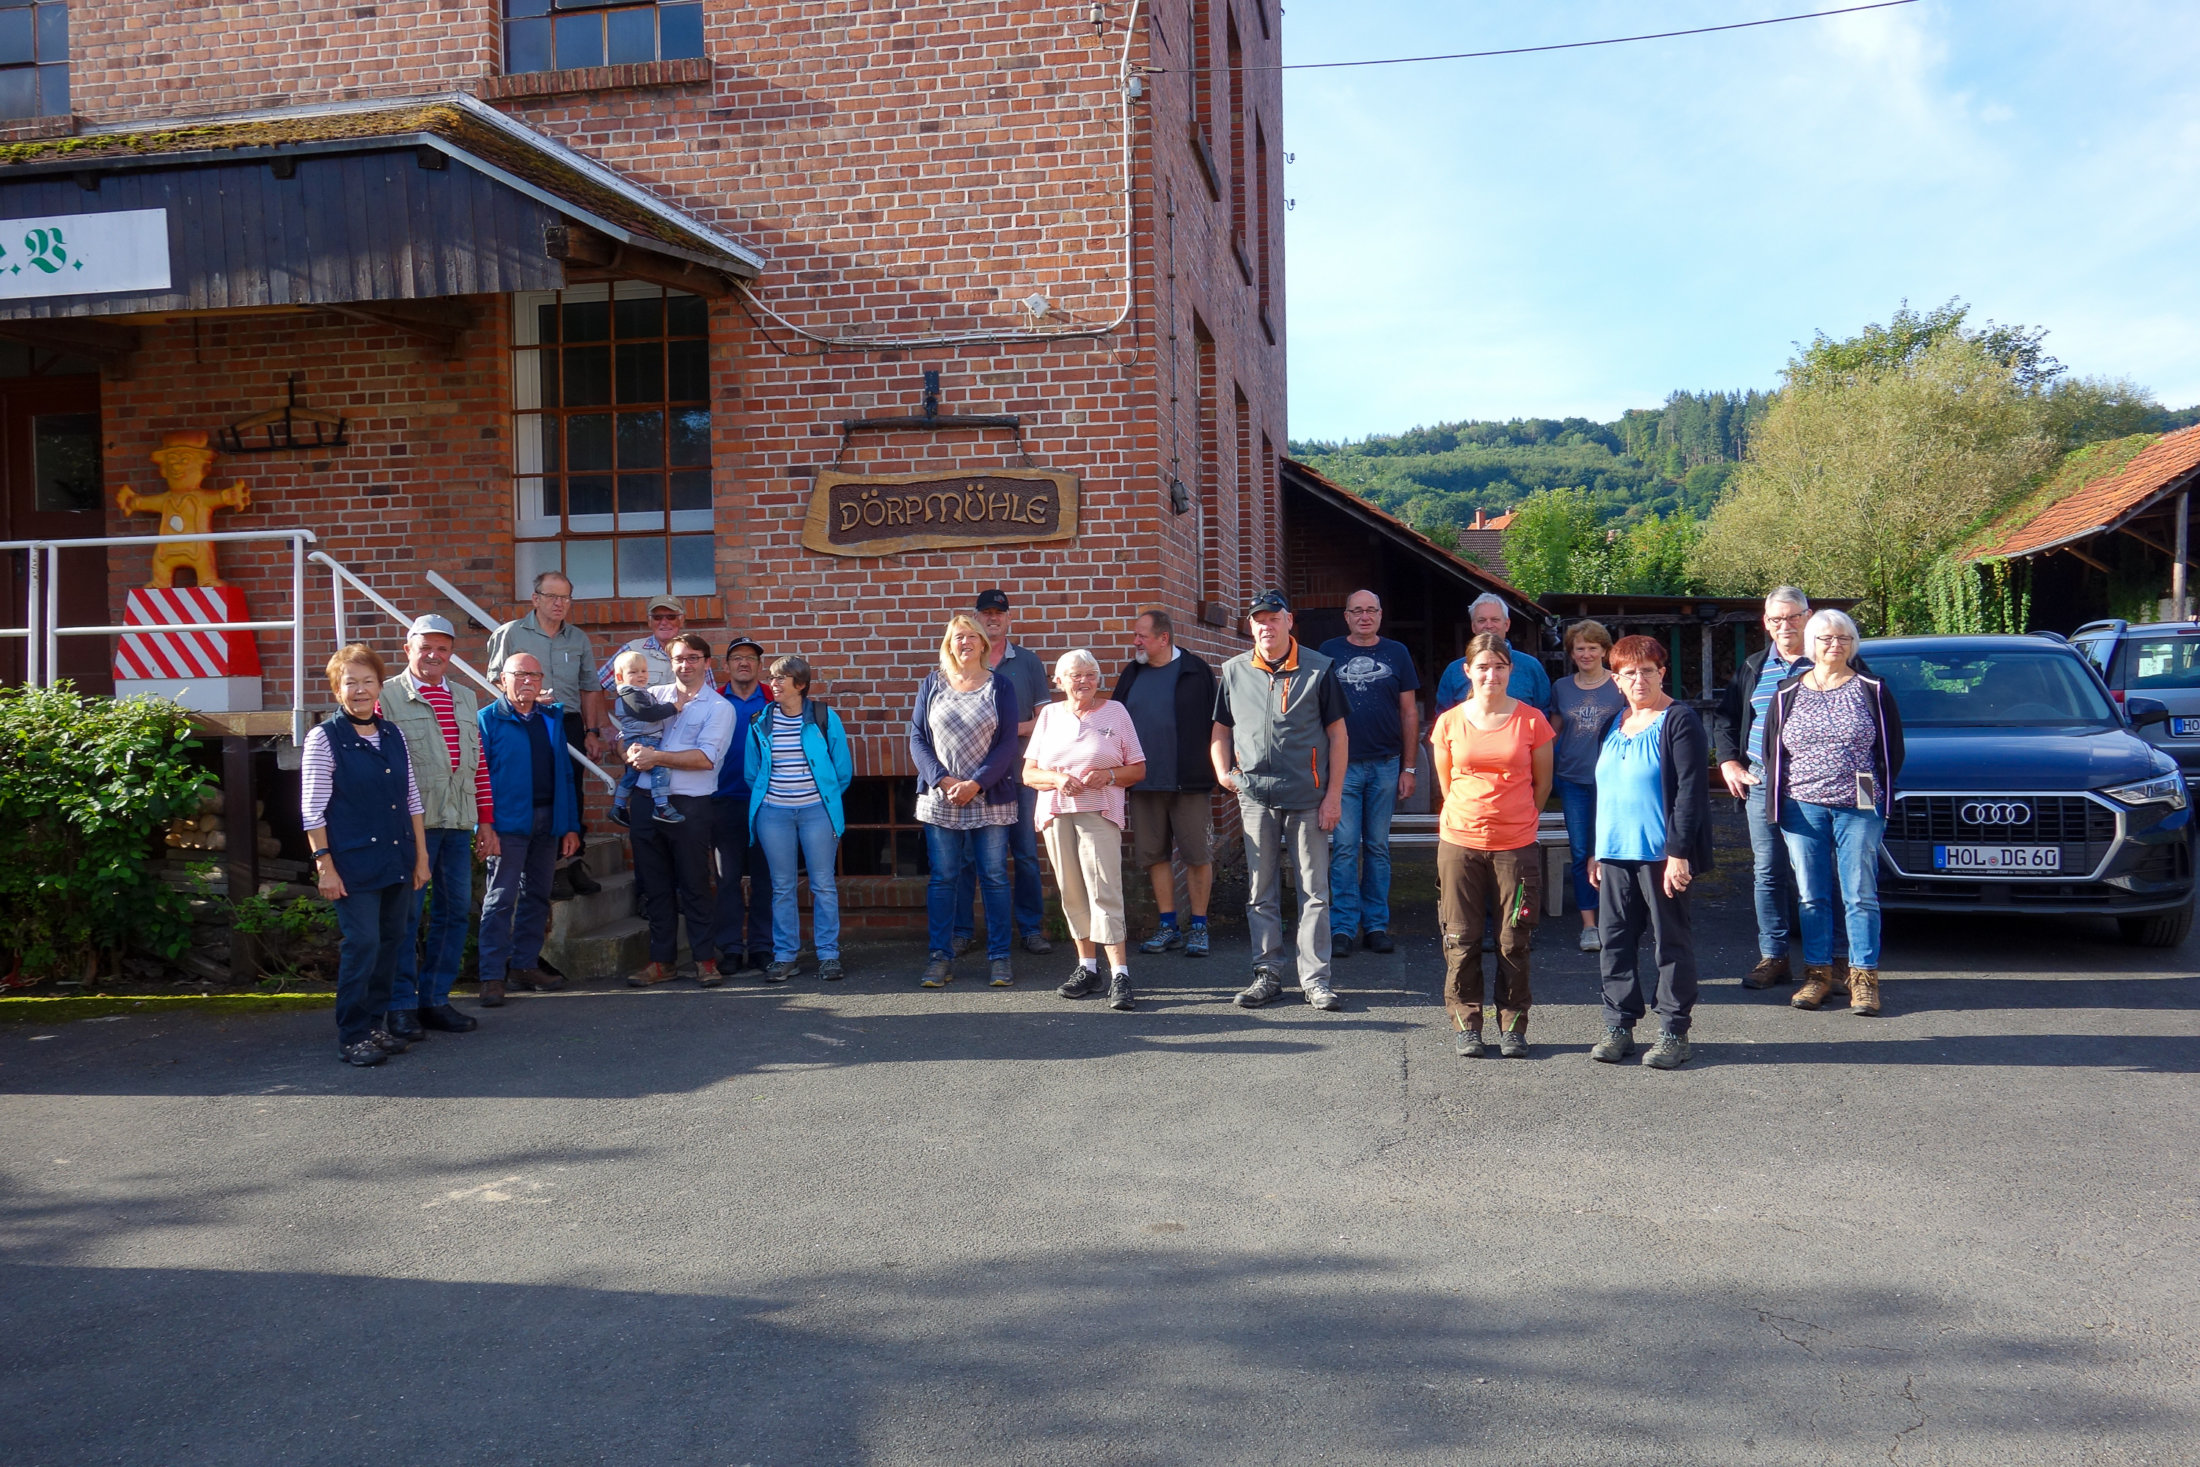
x=865 y=1223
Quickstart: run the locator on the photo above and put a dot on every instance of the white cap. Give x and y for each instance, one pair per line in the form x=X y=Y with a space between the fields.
x=433 y=623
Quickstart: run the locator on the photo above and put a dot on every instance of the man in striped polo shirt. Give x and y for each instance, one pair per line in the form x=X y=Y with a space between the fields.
x=440 y=722
x=1738 y=733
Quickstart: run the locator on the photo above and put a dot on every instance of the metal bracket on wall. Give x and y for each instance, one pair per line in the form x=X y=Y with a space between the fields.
x=932 y=420
x=280 y=426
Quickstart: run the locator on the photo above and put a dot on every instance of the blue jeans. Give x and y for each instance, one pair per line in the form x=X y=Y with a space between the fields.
x=425 y=972
x=1359 y=849
x=1775 y=879
x=1023 y=845
x=1831 y=844
x=983 y=853
x=785 y=831
x=517 y=904
x=1579 y=801
x=371 y=928
x=660 y=778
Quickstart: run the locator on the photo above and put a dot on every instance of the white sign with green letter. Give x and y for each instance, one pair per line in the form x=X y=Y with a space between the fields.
x=84 y=254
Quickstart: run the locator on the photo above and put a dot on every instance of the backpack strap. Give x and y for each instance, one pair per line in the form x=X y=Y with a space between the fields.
x=817 y=714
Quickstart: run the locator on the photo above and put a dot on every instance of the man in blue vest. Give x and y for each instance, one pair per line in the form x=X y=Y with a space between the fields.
x=535 y=822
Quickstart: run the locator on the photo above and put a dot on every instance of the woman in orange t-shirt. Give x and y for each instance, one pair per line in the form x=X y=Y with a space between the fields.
x=1493 y=768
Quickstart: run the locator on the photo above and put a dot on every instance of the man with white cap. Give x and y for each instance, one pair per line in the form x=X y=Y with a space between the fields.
x=441 y=724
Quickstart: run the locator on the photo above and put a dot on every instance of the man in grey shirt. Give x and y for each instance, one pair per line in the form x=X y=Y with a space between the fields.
x=1023 y=668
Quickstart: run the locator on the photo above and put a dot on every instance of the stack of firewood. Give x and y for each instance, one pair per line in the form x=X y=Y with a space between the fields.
x=206 y=831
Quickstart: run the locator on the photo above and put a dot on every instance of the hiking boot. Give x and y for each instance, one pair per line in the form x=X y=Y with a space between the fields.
x=1265 y=986
x=492 y=993
x=1036 y=943
x=405 y=1024
x=1085 y=980
x=708 y=973
x=1863 y=990
x=1162 y=941
x=1321 y=996
x=830 y=971
x=1379 y=941
x=1669 y=1053
x=1341 y=945
x=1512 y=1044
x=1119 y=993
x=1590 y=942
x=1769 y=971
x=1817 y=984
x=1195 y=943
x=534 y=980
x=649 y=975
x=365 y=1052
x=780 y=972
x=1615 y=1046
x=938 y=973
x=1467 y=1044
x=1001 y=975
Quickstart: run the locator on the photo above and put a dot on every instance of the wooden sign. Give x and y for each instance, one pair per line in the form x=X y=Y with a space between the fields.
x=886 y=514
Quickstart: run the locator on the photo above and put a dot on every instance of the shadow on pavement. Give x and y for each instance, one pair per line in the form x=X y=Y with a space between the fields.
x=1131 y=1355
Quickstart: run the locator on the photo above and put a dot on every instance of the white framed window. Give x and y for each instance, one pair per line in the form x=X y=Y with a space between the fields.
x=611 y=440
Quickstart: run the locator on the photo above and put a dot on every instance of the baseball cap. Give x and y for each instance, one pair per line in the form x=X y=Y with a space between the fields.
x=667 y=603
x=993 y=598
x=1268 y=601
x=433 y=623
x=749 y=642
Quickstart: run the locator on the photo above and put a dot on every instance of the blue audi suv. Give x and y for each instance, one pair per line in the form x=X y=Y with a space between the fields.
x=2026 y=788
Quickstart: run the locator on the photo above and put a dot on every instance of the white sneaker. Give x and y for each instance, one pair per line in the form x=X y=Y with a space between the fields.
x=1590 y=942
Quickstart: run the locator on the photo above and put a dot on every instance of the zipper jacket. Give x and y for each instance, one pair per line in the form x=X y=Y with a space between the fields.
x=1886 y=749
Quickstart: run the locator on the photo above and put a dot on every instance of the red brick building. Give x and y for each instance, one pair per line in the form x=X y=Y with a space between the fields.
x=602 y=286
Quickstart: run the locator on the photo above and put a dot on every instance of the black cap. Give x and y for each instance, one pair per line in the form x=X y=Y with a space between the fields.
x=1268 y=601
x=749 y=642
x=993 y=598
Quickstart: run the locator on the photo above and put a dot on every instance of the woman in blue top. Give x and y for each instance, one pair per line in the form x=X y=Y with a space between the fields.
x=798 y=766
x=1583 y=706
x=1653 y=839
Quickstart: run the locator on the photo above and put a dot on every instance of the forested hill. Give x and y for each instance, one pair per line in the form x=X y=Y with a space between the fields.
x=1650 y=462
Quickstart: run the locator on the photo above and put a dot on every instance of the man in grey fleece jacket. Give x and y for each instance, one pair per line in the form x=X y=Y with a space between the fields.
x=1279 y=742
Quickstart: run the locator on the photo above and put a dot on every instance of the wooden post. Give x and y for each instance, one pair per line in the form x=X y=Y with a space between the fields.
x=1707 y=659
x=2180 y=603
x=241 y=853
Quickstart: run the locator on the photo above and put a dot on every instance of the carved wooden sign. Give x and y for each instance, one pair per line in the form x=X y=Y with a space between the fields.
x=886 y=514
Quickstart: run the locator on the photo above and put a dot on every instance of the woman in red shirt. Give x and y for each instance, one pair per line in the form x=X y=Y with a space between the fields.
x=1493 y=769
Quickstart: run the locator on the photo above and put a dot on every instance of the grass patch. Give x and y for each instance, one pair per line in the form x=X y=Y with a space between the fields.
x=60 y=1010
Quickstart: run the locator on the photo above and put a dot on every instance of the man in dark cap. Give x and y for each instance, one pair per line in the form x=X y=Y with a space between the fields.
x=1022 y=667
x=1279 y=742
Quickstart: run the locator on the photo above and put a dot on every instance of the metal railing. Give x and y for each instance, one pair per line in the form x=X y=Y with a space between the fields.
x=42 y=630
x=340 y=576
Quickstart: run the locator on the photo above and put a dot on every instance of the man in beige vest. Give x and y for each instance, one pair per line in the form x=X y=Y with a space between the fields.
x=440 y=721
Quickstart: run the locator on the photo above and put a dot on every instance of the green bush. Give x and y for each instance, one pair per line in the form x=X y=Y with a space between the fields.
x=297 y=940
x=86 y=787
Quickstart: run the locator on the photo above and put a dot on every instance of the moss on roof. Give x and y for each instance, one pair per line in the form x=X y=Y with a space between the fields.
x=2081 y=466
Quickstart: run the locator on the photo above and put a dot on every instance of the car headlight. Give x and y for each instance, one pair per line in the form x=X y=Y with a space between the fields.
x=2167 y=789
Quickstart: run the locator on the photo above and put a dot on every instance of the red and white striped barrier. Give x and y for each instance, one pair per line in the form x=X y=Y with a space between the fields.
x=192 y=656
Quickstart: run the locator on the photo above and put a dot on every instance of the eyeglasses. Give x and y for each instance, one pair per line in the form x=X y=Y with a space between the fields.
x=664 y=616
x=1362 y=610
x=1637 y=669
x=1786 y=621
x=690 y=660
x=524 y=677
x=1835 y=639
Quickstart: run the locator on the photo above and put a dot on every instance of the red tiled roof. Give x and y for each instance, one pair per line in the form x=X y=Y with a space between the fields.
x=1465 y=567
x=2168 y=464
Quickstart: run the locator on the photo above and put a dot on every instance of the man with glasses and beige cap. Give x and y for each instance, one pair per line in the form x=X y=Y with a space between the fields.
x=667 y=619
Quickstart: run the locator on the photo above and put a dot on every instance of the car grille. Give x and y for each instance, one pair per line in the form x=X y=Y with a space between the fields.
x=2083 y=828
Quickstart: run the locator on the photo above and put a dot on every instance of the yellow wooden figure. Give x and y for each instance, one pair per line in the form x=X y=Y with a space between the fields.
x=186 y=509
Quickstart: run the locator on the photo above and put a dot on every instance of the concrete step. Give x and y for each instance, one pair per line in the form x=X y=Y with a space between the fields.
x=587 y=913
x=606 y=855
x=609 y=951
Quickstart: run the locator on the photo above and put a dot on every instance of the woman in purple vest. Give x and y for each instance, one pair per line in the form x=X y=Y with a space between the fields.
x=363 y=818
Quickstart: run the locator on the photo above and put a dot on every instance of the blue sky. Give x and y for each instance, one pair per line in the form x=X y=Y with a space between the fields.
x=1583 y=232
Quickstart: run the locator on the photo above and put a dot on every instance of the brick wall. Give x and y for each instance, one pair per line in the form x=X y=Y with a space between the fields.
x=905 y=170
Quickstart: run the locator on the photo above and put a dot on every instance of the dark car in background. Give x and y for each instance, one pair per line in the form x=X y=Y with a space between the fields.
x=2158 y=660
x=2027 y=788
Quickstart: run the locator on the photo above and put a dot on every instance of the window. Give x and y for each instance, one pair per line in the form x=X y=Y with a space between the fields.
x=1211 y=514
x=611 y=440
x=561 y=35
x=1236 y=141
x=2162 y=662
x=883 y=837
x=1262 y=245
x=34 y=58
x=1244 y=513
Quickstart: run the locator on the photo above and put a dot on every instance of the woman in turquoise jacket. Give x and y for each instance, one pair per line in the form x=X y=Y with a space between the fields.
x=799 y=766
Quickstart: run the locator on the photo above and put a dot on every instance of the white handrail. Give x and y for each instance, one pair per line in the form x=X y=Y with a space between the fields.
x=42 y=634
x=341 y=576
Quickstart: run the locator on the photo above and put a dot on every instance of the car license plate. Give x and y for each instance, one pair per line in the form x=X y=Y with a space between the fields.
x=1997 y=858
x=2184 y=728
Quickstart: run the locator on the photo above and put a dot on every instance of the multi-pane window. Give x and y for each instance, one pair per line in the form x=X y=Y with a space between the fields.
x=558 y=35
x=34 y=58
x=611 y=440
x=883 y=836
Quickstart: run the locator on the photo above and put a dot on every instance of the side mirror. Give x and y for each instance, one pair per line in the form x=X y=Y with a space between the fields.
x=2144 y=711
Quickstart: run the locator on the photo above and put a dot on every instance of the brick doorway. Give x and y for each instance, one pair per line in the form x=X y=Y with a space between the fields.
x=53 y=489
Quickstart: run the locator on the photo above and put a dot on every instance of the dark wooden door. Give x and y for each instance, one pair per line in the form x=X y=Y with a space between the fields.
x=54 y=490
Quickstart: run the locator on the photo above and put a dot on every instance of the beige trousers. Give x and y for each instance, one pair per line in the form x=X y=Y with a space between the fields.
x=1087 y=851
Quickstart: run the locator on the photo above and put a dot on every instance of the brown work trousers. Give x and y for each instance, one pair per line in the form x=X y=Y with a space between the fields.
x=1469 y=883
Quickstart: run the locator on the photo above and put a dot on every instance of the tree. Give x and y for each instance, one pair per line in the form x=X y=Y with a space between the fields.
x=1548 y=533
x=1908 y=337
x=1858 y=478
